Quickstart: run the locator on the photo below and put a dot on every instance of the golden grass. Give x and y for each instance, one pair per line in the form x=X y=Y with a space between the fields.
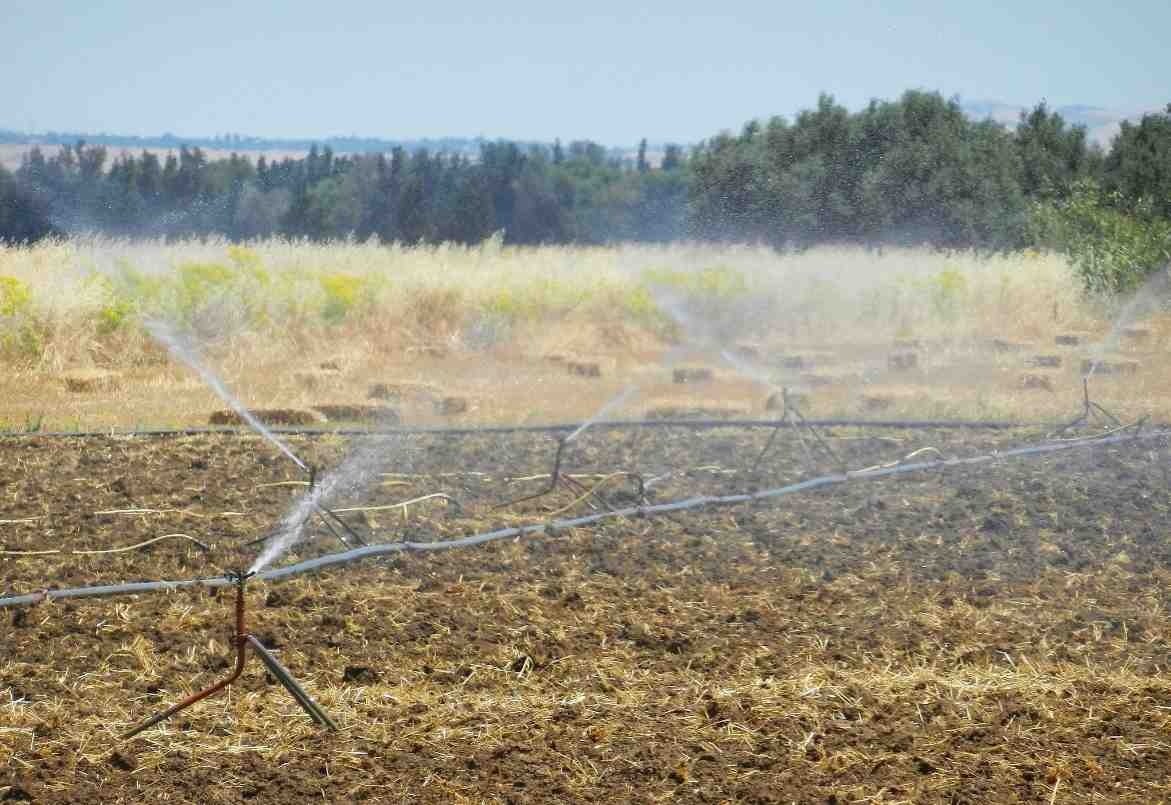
x=294 y=324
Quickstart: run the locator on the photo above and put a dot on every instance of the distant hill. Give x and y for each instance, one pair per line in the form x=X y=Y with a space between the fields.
x=1101 y=124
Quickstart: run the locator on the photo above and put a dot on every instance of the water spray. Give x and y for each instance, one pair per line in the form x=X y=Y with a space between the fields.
x=328 y=516
x=242 y=640
x=185 y=352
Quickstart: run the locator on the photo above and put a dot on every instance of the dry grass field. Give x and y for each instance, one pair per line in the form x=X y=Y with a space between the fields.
x=550 y=334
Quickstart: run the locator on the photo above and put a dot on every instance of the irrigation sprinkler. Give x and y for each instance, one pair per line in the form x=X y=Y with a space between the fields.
x=791 y=416
x=329 y=518
x=557 y=478
x=1090 y=411
x=1127 y=436
x=242 y=640
x=327 y=515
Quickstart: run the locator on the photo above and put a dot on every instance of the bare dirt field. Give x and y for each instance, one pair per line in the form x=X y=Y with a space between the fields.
x=975 y=635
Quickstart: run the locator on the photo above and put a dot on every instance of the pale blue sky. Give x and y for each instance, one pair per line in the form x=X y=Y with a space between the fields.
x=609 y=71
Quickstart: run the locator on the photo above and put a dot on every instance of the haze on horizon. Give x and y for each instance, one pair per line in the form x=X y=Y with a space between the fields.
x=535 y=71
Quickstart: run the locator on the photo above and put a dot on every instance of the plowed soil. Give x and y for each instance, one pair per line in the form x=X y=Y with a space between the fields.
x=990 y=634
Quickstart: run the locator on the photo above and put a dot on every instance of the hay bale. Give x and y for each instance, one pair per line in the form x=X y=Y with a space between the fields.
x=331 y=365
x=877 y=402
x=316 y=379
x=693 y=374
x=695 y=411
x=584 y=368
x=1114 y=367
x=796 y=362
x=1068 y=340
x=1044 y=362
x=746 y=349
x=780 y=400
x=293 y=417
x=1004 y=346
x=450 y=406
x=434 y=351
x=1136 y=334
x=1036 y=382
x=816 y=381
x=399 y=392
x=90 y=381
x=359 y=412
x=902 y=361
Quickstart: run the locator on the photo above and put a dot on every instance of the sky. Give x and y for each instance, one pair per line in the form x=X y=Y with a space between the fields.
x=613 y=72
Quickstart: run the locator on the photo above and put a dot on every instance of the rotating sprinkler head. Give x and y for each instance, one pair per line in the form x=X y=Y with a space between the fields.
x=242 y=640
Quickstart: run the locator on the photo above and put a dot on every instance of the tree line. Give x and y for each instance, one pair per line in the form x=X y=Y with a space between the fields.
x=913 y=170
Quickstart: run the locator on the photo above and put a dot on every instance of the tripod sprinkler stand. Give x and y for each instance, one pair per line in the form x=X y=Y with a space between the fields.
x=327 y=515
x=558 y=478
x=791 y=415
x=243 y=640
x=328 y=518
x=1090 y=411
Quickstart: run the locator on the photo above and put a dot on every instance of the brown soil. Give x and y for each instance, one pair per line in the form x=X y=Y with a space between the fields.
x=986 y=634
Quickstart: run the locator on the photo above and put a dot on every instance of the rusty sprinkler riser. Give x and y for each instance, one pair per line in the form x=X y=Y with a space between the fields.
x=243 y=639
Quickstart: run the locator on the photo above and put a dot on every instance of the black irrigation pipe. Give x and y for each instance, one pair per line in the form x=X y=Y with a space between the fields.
x=695 y=424
x=555 y=526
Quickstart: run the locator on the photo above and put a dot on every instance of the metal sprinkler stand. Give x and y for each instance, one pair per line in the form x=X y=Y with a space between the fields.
x=327 y=515
x=243 y=640
x=558 y=478
x=1090 y=411
x=328 y=518
x=791 y=415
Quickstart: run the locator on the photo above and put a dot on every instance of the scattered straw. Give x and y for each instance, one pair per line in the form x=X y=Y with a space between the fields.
x=203 y=545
